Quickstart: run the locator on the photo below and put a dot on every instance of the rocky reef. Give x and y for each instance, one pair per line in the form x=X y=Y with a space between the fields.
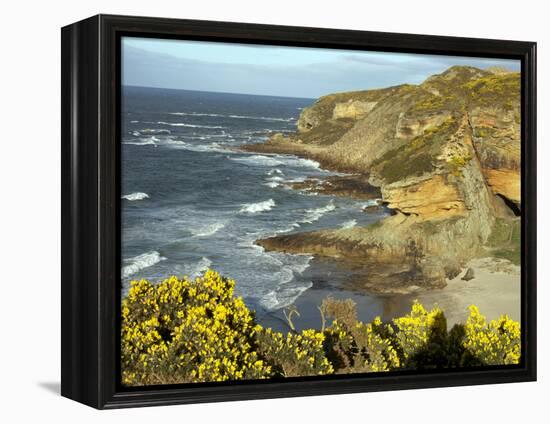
x=445 y=157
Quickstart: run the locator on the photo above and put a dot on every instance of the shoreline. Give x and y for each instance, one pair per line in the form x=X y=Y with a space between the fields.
x=382 y=268
x=493 y=289
x=382 y=293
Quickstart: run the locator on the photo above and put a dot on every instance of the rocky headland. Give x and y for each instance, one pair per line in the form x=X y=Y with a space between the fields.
x=443 y=155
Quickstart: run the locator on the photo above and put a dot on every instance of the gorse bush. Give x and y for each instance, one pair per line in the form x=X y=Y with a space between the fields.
x=495 y=343
x=294 y=355
x=184 y=331
x=188 y=331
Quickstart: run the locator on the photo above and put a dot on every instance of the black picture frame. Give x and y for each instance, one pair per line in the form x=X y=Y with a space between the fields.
x=91 y=209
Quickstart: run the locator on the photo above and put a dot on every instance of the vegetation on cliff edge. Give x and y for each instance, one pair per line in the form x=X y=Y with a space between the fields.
x=182 y=331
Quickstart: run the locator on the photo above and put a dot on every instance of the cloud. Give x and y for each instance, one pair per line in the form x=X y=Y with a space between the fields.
x=287 y=73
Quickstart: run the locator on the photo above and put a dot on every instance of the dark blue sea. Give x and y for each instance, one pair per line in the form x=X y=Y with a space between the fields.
x=192 y=200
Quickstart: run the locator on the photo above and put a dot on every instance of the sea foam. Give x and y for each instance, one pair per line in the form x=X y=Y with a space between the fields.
x=192 y=147
x=299 y=162
x=198 y=268
x=135 y=196
x=348 y=224
x=283 y=297
x=181 y=124
x=219 y=115
x=274 y=181
x=208 y=230
x=372 y=202
x=151 y=141
x=140 y=262
x=313 y=215
x=258 y=160
x=258 y=207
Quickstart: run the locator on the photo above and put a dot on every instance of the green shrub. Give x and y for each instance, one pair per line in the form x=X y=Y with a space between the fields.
x=294 y=355
x=182 y=331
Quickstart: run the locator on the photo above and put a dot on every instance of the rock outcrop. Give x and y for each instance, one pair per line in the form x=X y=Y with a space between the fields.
x=446 y=157
x=353 y=109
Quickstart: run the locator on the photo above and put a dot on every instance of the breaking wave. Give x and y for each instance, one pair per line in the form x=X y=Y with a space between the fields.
x=135 y=196
x=137 y=263
x=198 y=268
x=348 y=224
x=151 y=131
x=277 y=299
x=151 y=141
x=258 y=207
x=208 y=230
x=372 y=202
x=218 y=115
x=258 y=160
x=211 y=147
x=313 y=215
x=181 y=124
x=277 y=160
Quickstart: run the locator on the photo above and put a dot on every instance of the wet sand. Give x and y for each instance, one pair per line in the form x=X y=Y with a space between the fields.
x=327 y=275
x=495 y=289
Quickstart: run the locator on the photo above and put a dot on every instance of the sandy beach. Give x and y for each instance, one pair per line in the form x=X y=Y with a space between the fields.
x=495 y=289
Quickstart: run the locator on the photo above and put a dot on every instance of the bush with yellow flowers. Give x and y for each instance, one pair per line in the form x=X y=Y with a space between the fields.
x=188 y=331
x=495 y=343
x=421 y=338
x=294 y=354
x=184 y=331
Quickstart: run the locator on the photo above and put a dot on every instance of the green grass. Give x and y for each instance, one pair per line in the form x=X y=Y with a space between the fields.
x=416 y=157
x=416 y=165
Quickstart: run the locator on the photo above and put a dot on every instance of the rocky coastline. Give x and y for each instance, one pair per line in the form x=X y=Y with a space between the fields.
x=443 y=156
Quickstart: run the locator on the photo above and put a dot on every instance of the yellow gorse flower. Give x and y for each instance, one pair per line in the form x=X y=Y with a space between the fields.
x=183 y=330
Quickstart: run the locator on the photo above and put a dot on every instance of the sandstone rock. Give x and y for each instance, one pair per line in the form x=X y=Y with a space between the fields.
x=354 y=109
x=354 y=186
x=441 y=152
x=505 y=182
x=309 y=119
x=431 y=198
x=278 y=138
x=410 y=127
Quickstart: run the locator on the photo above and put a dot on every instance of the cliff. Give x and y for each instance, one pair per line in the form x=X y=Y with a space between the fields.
x=445 y=155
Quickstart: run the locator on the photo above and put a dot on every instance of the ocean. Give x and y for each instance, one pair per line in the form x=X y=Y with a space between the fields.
x=191 y=200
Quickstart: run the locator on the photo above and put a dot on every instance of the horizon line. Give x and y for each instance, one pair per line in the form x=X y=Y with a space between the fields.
x=215 y=92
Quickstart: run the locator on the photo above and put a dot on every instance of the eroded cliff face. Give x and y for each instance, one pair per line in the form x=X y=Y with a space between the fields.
x=446 y=157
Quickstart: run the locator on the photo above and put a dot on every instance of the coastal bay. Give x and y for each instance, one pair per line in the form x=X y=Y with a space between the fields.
x=380 y=196
x=446 y=164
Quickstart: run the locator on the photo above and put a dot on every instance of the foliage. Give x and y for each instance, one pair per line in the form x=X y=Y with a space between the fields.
x=422 y=337
x=495 y=343
x=458 y=161
x=416 y=157
x=188 y=331
x=294 y=355
x=495 y=90
x=182 y=331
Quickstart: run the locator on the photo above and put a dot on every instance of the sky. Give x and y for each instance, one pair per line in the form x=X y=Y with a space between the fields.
x=276 y=70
